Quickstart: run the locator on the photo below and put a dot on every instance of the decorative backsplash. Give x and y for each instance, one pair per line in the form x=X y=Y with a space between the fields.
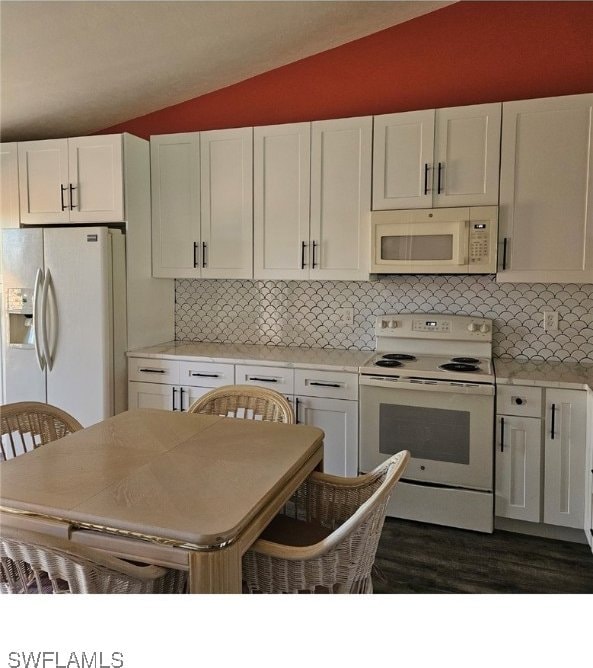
x=304 y=313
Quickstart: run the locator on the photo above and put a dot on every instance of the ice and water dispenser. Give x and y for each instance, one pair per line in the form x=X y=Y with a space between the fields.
x=19 y=308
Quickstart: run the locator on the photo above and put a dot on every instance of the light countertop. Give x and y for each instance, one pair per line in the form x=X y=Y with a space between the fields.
x=562 y=375
x=312 y=358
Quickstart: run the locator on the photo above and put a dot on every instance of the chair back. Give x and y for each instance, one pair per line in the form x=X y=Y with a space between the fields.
x=247 y=402
x=32 y=563
x=28 y=424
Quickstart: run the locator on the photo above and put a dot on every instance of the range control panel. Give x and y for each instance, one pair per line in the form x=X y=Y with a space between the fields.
x=479 y=242
x=434 y=326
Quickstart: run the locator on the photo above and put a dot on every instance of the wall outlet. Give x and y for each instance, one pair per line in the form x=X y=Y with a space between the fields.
x=550 y=321
x=345 y=316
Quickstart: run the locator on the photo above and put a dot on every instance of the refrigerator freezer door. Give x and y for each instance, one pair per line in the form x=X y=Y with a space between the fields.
x=22 y=257
x=77 y=322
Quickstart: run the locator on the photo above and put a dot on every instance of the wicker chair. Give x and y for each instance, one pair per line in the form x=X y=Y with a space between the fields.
x=32 y=563
x=28 y=424
x=327 y=537
x=245 y=401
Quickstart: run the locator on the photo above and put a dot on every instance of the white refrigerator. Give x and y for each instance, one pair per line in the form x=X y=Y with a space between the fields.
x=64 y=319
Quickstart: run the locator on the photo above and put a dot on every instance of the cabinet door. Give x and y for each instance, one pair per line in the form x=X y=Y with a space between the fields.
x=43 y=181
x=281 y=198
x=546 y=190
x=96 y=192
x=175 y=185
x=565 y=444
x=339 y=420
x=227 y=203
x=467 y=155
x=403 y=160
x=152 y=395
x=518 y=468
x=341 y=199
x=9 y=185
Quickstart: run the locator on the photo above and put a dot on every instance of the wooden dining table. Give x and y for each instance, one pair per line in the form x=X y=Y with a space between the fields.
x=181 y=490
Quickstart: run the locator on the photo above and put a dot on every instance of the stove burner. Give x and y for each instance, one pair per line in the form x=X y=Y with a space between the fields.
x=465 y=360
x=389 y=363
x=458 y=366
x=400 y=356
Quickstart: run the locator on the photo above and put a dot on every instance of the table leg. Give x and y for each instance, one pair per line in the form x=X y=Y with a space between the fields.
x=216 y=572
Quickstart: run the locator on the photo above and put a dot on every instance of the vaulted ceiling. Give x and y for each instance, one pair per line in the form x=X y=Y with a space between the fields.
x=72 y=68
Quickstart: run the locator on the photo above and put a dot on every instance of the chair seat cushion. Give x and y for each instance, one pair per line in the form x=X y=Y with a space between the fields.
x=288 y=531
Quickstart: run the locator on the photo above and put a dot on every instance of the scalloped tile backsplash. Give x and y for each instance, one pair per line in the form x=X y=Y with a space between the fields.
x=303 y=313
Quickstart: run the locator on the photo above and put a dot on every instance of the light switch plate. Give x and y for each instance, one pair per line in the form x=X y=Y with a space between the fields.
x=550 y=321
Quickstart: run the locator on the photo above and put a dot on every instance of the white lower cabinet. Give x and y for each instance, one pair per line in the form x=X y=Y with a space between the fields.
x=518 y=467
x=541 y=477
x=565 y=439
x=339 y=420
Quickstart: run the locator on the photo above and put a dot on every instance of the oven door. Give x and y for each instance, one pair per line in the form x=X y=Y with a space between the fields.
x=447 y=427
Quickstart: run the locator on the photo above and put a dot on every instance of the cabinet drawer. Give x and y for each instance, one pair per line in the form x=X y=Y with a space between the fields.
x=519 y=400
x=149 y=370
x=276 y=378
x=330 y=384
x=206 y=374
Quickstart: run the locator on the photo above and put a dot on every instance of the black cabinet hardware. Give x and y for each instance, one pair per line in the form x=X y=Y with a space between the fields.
x=72 y=189
x=204 y=375
x=204 y=254
x=174 y=389
x=553 y=430
x=313 y=382
x=314 y=263
x=502 y=434
x=504 y=253
x=263 y=380
x=296 y=410
x=303 y=246
x=62 y=188
x=196 y=255
x=153 y=370
x=426 y=168
x=440 y=170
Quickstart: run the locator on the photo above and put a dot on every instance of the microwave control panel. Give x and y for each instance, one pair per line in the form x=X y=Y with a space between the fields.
x=479 y=242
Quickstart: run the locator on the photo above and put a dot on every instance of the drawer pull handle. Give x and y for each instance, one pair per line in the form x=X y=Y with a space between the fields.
x=263 y=380
x=314 y=382
x=146 y=370
x=195 y=374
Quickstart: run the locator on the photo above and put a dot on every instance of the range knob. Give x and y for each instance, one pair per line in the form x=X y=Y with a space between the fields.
x=484 y=328
x=472 y=327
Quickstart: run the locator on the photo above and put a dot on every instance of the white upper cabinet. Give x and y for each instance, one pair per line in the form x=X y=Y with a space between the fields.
x=175 y=184
x=9 y=185
x=281 y=200
x=78 y=180
x=340 y=199
x=403 y=160
x=437 y=158
x=202 y=219
x=546 y=191
x=226 y=158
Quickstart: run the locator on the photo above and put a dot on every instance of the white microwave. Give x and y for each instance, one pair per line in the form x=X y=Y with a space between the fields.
x=435 y=241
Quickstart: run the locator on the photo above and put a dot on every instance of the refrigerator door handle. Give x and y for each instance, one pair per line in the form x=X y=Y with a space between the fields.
x=36 y=316
x=44 y=307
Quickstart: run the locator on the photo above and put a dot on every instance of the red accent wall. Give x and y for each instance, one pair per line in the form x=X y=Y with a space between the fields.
x=466 y=53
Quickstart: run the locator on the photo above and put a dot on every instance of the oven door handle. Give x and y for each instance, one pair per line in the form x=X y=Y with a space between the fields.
x=438 y=386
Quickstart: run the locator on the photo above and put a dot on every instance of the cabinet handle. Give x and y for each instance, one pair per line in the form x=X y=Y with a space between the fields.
x=502 y=434
x=504 y=253
x=196 y=255
x=296 y=410
x=181 y=406
x=62 y=189
x=313 y=382
x=204 y=254
x=553 y=429
x=263 y=380
x=426 y=168
x=174 y=389
x=204 y=375
x=152 y=370
x=314 y=264
x=303 y=246
x=441 y=167
x=72 y=189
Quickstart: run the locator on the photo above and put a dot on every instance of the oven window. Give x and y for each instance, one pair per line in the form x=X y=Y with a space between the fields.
x=421 y=247
x=437 y=434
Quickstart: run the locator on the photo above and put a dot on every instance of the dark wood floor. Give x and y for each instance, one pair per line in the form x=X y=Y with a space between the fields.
x=429 y=559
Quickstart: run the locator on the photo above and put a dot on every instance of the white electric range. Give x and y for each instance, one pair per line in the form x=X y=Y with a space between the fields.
x=430 y=390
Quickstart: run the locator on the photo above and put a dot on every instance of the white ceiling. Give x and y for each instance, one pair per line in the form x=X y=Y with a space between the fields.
x=72 y=68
